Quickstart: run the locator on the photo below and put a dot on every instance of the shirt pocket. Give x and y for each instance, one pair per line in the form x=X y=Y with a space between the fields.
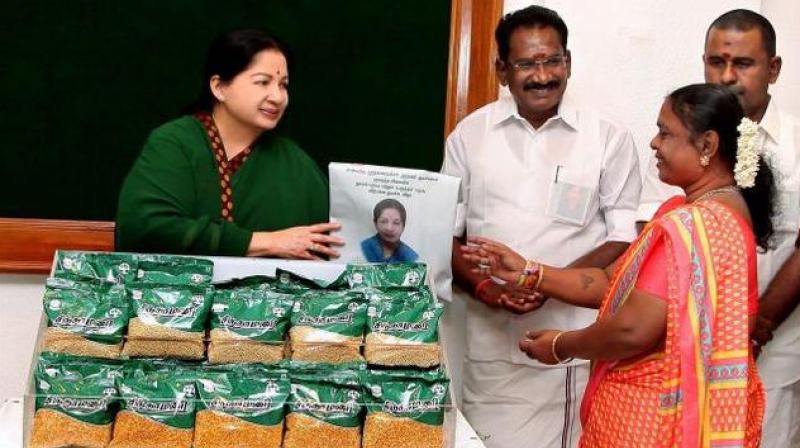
x=572 y=195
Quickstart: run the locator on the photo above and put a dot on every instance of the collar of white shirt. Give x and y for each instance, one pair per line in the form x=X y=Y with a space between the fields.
x=771 y=121
x=507 y=109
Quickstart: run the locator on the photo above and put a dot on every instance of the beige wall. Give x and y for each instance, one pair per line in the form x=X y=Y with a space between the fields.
x=784 y=15
x=20 y=311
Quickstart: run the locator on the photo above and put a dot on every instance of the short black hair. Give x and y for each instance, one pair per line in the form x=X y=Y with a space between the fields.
x=746 y=20
x=530 y=17
x=230 y=54
x=387 y=204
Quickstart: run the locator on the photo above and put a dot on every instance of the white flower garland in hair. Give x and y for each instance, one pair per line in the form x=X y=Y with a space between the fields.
x=746 y=154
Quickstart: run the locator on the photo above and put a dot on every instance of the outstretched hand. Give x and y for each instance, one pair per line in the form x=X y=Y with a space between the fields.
x=303 y=242
x=538 y=345
x=491 y=257
x=511 y=299
x=521 y=302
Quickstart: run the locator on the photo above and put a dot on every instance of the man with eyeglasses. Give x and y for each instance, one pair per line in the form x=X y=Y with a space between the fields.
x=560 y=184
x=740 y=52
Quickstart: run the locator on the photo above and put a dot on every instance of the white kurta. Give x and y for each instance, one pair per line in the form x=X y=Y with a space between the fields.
x=779 y=364
x=552 y=194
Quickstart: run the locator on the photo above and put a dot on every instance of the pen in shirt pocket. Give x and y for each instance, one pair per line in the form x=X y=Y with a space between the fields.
x=558 y=169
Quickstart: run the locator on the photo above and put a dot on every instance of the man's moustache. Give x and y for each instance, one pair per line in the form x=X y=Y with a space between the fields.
x=538 y=86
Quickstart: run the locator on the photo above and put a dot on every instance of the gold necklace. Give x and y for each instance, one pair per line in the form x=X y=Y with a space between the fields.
x=716 y=191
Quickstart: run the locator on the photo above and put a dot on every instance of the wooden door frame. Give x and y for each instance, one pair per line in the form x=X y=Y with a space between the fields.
x=471 y=77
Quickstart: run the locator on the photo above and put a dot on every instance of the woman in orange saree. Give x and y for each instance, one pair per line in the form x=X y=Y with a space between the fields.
x=701 y=387
x=672 y=359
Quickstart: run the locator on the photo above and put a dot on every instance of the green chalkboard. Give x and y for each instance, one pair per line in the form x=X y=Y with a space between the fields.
x=84 y=81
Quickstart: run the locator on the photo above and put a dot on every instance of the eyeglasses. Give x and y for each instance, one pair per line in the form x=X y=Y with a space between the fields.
x=527 y=66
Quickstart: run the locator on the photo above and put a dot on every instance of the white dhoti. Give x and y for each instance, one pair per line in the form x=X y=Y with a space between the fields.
x=520 y=406
x=782 y=417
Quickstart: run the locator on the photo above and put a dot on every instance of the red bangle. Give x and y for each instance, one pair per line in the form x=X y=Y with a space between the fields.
x=480 y=287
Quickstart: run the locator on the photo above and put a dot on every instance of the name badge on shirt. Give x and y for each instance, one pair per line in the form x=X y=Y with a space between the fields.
x=568 y=202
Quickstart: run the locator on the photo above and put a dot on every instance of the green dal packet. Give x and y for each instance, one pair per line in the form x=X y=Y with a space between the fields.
x=330 y=395
x=416 y=394
x=383 y=275
x=252 y=393
x=252 y=282
x=291 y=282
x=408 y=315
x=161 y=391
x=174 y=270
x=105 y=266
x=182 y=308
x=82 y=388
x=257 y=314
x=341 y=312
x=295 y=367
x=94 y=309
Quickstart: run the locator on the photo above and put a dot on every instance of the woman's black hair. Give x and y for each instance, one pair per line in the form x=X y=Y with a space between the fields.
x=387 y=204
x=230 y=54
x=710 y=107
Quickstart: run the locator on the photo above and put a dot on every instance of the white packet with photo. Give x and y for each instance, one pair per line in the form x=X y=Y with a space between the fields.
x=395 y=215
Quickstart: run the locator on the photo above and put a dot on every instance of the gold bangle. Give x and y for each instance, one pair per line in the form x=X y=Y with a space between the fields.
x=540 y=278
x=530 y=267
x=530 y=274
x=555 y=354
x=529 y=283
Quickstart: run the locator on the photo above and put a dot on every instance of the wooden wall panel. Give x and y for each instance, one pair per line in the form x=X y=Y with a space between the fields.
x=28 y=245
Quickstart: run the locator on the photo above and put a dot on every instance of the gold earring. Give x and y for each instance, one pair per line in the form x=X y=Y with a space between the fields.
x=704 y=160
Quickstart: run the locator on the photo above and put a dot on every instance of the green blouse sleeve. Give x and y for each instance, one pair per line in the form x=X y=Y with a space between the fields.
x=156 y=204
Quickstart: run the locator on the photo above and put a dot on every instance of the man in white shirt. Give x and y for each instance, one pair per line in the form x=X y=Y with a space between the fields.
x=740 y=53
x=559 y=184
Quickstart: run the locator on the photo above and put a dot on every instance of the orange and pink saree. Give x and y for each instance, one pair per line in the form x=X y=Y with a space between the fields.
x=700 y=388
